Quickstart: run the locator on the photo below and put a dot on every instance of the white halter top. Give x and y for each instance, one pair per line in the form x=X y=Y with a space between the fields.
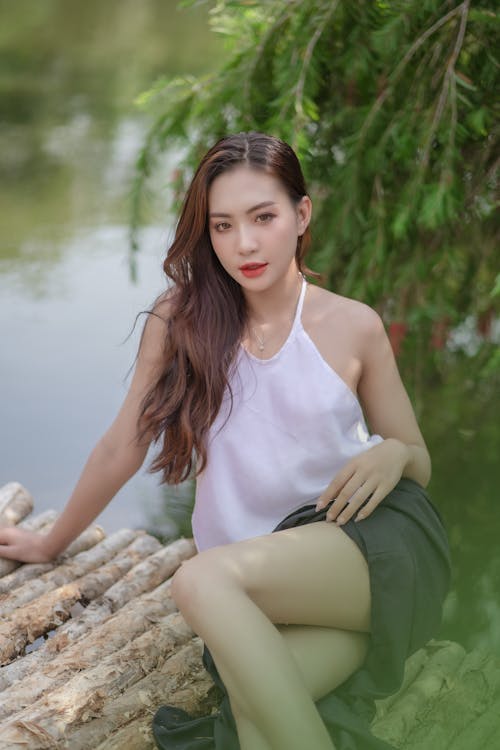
x=293 y=424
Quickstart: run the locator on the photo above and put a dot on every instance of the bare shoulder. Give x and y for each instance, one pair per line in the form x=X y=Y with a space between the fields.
x=345 y=315
x=155 y=327
x=163 y=306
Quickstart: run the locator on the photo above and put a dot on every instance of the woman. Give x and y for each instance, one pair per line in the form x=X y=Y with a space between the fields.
x=260 y=379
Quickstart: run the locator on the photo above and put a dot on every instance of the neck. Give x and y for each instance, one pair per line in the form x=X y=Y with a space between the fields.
x=277 y=303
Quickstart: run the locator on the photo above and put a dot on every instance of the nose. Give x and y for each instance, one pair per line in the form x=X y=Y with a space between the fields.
x=247 y=242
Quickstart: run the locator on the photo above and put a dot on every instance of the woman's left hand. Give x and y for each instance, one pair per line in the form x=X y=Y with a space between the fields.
x=372 y=474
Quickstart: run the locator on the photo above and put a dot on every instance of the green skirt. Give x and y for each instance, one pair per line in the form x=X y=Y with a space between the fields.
x=406 y=548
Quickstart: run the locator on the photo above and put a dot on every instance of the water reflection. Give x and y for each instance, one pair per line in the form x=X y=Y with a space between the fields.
x=69 y=135
x=461 y=422
x=68 y=129
x=64 y=362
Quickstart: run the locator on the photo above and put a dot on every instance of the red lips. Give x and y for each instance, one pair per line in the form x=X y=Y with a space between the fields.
x=253 y=269
x=251 y=266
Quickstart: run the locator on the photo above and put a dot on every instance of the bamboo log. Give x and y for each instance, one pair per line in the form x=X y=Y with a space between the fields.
x=15 y=503
x=414 y=665
x=38 y=617
x=48 y=666
x=68 y=571
x=180 y=681
x=121 y=594
x=482 y=731
x=26 y=573
x=32 y=736
x=142 y=579
x=83 y=696
x=49 y=669
x=154 y=604
x=39 y=523
x=134 y=736
x=119 y=597
x=464 y=708
x=87 y=539
x=439 y=669
x=125 y=723
x=152 y=572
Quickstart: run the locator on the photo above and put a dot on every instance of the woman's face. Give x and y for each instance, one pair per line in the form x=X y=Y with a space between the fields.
x=254 y=226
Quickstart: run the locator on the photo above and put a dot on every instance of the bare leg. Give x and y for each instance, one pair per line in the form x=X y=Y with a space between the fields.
x=249 y=735
x=326 y=657
x=232 y=595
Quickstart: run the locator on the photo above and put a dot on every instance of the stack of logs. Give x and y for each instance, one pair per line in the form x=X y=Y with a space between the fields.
x=92 y=644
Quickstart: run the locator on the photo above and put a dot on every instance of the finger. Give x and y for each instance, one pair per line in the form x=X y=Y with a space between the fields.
x=372 y=503
x=8 y=552
x=347 y=494
x=335 y=486
x=343 y=498
x=5 y=535
x=358 y=498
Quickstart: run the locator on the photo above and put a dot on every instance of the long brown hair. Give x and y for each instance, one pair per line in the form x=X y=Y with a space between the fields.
x=207 y=309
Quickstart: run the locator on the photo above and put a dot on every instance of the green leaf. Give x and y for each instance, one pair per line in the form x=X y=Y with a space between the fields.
x=476 y=121
x=463 y=81
x=495 y=292
x=401 y=222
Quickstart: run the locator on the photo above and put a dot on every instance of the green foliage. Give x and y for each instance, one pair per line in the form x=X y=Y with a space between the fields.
x=391 y=108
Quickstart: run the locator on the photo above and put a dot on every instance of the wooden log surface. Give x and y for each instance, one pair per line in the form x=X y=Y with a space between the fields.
x=66 y=653
x=84 y=694
x=92 y=644
x=52 y=608
x=15 y=503
x=24 y=573
x=75 y=568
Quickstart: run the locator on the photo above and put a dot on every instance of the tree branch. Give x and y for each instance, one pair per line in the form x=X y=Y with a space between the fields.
x=398 y=70
x=447 y=82
x=299 y=89
x=279 y=21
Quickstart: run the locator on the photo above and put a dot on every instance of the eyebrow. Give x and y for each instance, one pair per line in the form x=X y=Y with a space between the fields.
x=264 y=204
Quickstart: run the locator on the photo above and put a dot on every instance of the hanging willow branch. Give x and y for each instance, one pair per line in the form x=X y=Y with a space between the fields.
x=391 y=108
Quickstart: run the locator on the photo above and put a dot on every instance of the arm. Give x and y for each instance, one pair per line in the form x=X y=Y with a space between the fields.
x=115 y=459
x=374 y=473
x=386 y=403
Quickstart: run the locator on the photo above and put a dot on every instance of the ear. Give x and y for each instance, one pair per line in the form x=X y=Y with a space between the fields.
x=304 y=210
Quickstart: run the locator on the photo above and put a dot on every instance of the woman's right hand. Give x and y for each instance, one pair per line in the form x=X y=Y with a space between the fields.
x=23 y=545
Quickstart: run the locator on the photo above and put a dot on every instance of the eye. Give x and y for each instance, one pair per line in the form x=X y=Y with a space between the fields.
x=264 y=218
x=221 y=226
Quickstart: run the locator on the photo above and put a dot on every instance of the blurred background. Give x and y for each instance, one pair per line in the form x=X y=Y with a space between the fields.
x=70 y=134
x=82 y=89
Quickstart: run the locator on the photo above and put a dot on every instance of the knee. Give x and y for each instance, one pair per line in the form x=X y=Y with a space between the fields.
x=183 y=586
x=197 y=583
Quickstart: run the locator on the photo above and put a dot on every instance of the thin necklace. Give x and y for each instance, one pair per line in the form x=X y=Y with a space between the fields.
x=261 y=342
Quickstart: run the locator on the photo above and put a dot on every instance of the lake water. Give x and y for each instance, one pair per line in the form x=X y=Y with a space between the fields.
x=68 y=297
x=69 y=137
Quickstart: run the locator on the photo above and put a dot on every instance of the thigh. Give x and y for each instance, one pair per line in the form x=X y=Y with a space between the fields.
x=309 y=575
x=326 y=657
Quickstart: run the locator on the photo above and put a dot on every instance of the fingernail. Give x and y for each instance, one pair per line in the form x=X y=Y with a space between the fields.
x=340 y=521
